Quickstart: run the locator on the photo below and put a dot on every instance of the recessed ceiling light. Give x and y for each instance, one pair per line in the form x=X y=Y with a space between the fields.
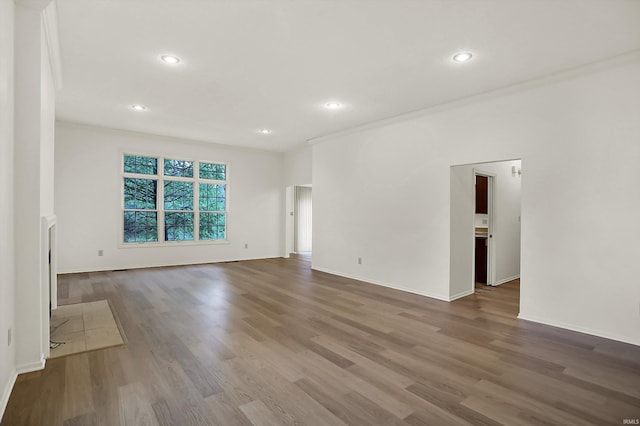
x=265 y=131
x=462 y=57
x=170 y=59
x=138 y=107
x=333 y=105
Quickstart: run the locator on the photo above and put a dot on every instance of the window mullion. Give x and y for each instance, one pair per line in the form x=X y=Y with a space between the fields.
x=196 y=200
x=179 y=178
x=160 y=202
x=138 y=176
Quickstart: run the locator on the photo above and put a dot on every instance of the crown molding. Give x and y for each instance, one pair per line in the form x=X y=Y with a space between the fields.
x=541 y=81
x=52 y=36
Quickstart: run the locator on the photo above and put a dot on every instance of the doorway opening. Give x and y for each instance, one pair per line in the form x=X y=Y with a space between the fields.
x=303 y=220
x=485 y=226
x=298 y=221
x=484 y=272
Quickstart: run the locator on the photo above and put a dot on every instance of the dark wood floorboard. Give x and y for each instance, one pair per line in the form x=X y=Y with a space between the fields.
x=272 y=342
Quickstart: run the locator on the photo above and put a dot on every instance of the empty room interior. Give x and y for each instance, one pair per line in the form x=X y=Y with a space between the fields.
x=319 y=212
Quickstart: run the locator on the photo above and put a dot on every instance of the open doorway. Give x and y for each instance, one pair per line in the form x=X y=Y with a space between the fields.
x=303 y=219
x=485 y=226
x=483 y=215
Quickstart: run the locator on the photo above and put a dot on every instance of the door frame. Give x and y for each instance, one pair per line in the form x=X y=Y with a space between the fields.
x=48 y=275
x=289 y=219
x=491 y=261
x=296 y=216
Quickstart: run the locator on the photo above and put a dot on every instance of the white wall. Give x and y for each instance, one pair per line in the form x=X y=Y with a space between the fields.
x=88 y=200
x=297 y=166
x=26 y=114
x=7 y=279
x=34 y=112
x=505 y=231
x=47 y=133
x=461 y=246
x=382 y=193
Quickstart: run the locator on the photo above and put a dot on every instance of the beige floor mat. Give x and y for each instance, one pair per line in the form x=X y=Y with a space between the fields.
x=84 y=327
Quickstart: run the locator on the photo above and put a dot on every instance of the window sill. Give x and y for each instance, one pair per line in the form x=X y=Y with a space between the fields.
x=174 y=244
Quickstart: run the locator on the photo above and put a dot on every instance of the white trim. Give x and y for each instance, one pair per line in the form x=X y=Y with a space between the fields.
x=50 y=223
x=380 y=283
x=461 y=295
x=173 y=243
x=52 y=36
x=49 y=276
x=506 y=280
x=579 y=329
x=32 y=366
x=482 y=163
x=7 y=392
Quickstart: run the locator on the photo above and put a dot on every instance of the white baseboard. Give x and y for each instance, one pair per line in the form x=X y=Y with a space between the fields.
x=25 y=368
x=461 y=295
x=7 y=392
x=32 y=366
x=579 y=329
x=506 y=280
x=380 y=283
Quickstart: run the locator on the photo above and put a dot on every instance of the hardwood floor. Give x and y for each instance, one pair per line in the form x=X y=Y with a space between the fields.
x=271 y=342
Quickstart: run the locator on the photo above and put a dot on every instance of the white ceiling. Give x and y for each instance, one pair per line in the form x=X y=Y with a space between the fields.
x=251 y=64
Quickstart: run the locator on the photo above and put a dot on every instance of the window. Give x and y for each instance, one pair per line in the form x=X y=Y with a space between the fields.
x=180 y=201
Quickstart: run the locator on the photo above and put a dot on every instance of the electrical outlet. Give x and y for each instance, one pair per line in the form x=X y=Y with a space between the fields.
x=246 y=245
x=359 y=261
x=100 y=252
x=9 y=337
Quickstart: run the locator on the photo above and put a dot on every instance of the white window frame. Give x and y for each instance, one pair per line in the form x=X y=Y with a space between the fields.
x=160 y=211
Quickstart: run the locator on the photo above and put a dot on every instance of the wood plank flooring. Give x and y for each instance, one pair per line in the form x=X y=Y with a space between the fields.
x=270 y=342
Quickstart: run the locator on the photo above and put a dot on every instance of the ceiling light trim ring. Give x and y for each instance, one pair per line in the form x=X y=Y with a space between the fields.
x=170 y=59
x=462 y=57
x=333 y=105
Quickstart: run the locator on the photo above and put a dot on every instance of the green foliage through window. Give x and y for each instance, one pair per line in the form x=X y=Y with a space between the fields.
x=178 y=168
x=213 y=171
x=140 y=226
x=140 y=165
x=174 y=205
x=213 y=197
x=178 y=226
x=140 y=194
x=178 y=195
x=212 y=226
